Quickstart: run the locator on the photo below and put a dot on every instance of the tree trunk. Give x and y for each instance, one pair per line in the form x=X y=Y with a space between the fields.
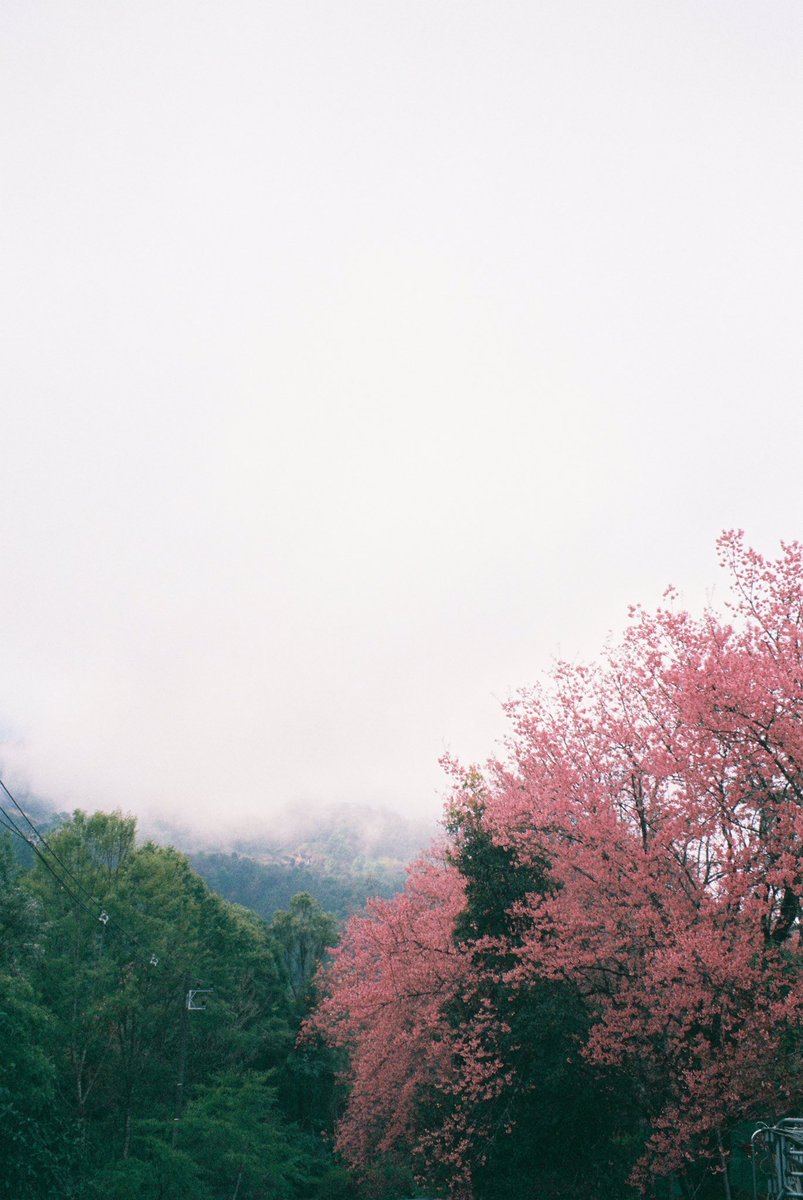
x=182 y=1057
x=723 y=1158
x=127 y=1137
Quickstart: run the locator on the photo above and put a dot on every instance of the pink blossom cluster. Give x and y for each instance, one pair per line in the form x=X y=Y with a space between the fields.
x=663 y=786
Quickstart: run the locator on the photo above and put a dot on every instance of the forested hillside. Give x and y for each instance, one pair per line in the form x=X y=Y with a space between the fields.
x=109 y=1084
x=340 y=854
x=268 y=886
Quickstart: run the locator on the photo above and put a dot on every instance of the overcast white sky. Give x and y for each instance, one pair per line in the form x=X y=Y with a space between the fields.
x=360 y=356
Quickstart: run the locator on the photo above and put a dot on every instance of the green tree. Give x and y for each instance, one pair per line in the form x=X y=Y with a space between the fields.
x=572 y=1126
x=35 y=1149
x=102 y=939
x=302 y=935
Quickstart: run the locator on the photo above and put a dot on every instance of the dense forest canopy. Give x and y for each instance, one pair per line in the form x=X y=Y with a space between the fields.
x=109 y=1084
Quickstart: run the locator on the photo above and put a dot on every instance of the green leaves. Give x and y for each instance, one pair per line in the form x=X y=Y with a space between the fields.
x=91 y=1019
x=302 y=937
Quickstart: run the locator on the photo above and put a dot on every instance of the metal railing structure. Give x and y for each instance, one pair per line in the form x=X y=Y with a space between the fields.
x=777 y=1152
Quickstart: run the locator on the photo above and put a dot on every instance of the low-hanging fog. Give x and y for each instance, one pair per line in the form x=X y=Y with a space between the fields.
x=358 y=359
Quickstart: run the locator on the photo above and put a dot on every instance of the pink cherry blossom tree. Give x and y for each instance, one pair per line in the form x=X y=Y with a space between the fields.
x=656 y=797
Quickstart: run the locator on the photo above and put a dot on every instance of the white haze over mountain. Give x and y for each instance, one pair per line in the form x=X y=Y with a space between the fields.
x=359 y=358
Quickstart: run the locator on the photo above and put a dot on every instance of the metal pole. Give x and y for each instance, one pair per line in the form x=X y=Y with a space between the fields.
x=182 y=1056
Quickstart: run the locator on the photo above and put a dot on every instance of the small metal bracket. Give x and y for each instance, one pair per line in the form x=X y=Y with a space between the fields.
x=192 y=993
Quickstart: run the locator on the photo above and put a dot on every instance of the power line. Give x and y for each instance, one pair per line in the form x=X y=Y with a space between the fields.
x=8 y=823
x=43 y=840
x=34 y=841
x=12 y=827
x=6 y=826
x=37 y=840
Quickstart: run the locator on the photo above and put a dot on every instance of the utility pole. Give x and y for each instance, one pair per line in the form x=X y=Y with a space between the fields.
x=188 y=1005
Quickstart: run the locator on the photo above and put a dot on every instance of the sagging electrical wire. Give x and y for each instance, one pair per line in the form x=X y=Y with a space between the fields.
x=42 y=840
x=10 y=824
x=36 y=840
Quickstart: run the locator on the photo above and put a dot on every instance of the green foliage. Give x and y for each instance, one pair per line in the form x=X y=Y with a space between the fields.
x=34 y=1146
x=302 y=935
x=162 y=1173
x=573 y=1127
x=20 y=917
x=268 y=887
x=94 y=1027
